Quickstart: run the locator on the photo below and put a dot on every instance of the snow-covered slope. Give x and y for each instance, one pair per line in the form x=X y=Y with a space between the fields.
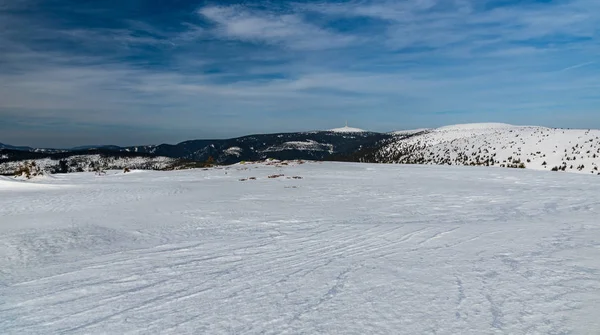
x=410 y=131
x=475 y=126
x=233 y=151
x=347 y=249
x=573 y=150
x=347 y=129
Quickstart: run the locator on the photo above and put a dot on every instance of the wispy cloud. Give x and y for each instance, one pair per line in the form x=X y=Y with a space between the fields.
x=289 y=30
x=474 y=26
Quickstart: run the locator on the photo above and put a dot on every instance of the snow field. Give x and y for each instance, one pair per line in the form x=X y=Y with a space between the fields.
x=348 y=249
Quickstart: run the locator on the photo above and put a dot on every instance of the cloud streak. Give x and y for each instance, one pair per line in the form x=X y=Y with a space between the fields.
x=577 y=66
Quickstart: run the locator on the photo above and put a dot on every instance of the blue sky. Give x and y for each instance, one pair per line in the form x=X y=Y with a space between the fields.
x=137 y=72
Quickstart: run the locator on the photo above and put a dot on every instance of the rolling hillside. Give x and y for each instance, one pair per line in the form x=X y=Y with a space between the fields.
x=317 y=145
x=478 y=144
x=501 y=145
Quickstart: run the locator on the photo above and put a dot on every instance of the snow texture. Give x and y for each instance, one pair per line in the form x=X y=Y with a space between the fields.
x=347 y=249
x=500 y=145
x=410 y=131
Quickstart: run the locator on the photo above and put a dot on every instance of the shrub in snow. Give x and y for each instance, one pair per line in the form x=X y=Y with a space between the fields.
x=23 y=171
x=62 y=167
x=97 y=168
x=28 y=170
x=210 y=162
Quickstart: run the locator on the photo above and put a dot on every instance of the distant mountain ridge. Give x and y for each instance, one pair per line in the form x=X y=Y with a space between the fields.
x=317 y=145
x=480 y=144
x=89 y=147
x=30 y=149
x=12 y=147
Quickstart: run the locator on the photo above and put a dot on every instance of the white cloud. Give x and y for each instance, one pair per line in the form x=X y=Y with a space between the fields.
x=289 y=30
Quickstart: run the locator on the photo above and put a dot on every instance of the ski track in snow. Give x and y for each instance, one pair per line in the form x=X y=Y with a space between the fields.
x=352 y=249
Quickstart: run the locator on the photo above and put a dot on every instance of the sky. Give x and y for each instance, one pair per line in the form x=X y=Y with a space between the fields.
x=133 y=72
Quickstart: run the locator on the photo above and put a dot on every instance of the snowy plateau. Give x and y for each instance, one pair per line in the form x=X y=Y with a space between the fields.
x=313 y=248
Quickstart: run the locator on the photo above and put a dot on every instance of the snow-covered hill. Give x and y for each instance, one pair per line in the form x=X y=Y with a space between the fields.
x=340 y=249
x=501 y=145
x=347 y=129
x=315 y=145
